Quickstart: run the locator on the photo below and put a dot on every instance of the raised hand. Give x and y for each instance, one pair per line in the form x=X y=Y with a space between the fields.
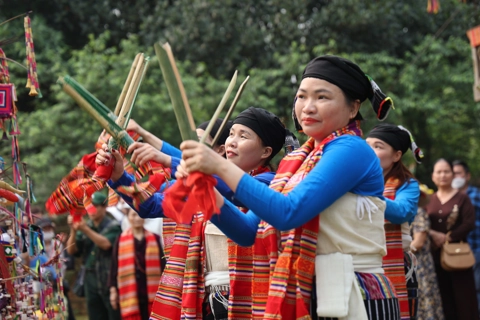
x=143 y=152
x=199 y=157
x=104 y=158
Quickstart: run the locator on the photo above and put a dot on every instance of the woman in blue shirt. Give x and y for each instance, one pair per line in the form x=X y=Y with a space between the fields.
x=323 y=214
x=390 y=143
x=255 y=137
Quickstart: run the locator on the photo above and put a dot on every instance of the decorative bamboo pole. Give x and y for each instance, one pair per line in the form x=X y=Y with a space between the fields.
x=176 y=91
x=98 y=114
x=92 y=100
x=131 y=92
x=127 y=84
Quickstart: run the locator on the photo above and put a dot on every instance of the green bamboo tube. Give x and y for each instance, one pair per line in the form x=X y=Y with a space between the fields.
x=92 y=100
x=176 y=92
x=99 y=115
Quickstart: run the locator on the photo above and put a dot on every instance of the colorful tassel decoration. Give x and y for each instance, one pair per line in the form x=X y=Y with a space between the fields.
x=32 y=81
x=433 y=6
x=4 y=74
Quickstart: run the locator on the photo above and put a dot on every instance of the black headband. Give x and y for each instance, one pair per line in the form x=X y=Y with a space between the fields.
x=266 y=125
x=216 y=126
x=351 y=80
x=398 y=138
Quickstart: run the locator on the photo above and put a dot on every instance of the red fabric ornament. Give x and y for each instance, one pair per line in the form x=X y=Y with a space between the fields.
x=8 y=195
x=191 y=195
x=6 y=100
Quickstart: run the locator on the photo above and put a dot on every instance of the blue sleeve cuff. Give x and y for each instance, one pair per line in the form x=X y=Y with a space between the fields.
x=125 y=180
x=175 y=163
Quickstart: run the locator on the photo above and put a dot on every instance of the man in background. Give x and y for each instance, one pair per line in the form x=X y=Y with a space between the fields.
x=93 y=240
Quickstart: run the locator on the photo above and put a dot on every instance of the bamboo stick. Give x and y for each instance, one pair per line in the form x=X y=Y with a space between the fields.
x=99 y=115
x=230 y=110
x=133 y=86
x=145 y=68
x=222 y=103
x=127 y=84
x=92 y=100
x=176 y=92
x=168 y=49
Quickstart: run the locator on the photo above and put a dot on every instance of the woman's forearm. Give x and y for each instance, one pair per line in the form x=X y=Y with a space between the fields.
x=151 y=139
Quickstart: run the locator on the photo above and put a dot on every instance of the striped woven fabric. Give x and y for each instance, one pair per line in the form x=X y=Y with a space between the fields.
x=290 y=272
x=127 y=284
x=240 y=267
x=393 y=262
x=168 y=235
x=168 y=299
x=193 y=293
x=70 y=196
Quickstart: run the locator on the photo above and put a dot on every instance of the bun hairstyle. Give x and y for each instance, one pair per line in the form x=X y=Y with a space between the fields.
x=355 y=84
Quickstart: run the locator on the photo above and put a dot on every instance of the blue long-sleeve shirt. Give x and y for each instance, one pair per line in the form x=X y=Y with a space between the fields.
x=404 y=207
x=348 y=164
x=167 y=148
x=152 y=207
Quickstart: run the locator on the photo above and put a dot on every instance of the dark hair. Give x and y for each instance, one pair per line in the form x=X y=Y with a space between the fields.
x=350 y=101
x=267 y=162
x=444 y=160
x=400 y=172
x=463 y=164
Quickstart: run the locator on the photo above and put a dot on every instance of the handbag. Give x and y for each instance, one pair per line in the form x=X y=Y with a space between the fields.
x=79 y=286
x=456 y=256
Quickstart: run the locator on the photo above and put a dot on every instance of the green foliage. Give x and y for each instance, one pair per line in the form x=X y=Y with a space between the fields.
x=430 y=78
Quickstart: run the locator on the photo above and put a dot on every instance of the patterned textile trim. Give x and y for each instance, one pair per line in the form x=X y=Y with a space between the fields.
x=168 y=234
x=378 y=296
x=168 y=299
x=393 y=262
x=240 y=267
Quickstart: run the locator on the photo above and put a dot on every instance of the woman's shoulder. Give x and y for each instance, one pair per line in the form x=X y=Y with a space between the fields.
x=352 y=143
x=462 y=197
x=410 y=185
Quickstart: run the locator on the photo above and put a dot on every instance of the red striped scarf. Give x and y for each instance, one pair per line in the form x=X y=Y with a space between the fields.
x=127 y=284
x=181 y=291
x=240 y=267
x=181 y=295
x=168 y=234
x=168 y=299
x=393 y=262
x=290 y=273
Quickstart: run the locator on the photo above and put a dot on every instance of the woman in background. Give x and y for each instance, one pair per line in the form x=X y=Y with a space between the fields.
x=136 y=268
x=452 y=217
x=390 y=143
